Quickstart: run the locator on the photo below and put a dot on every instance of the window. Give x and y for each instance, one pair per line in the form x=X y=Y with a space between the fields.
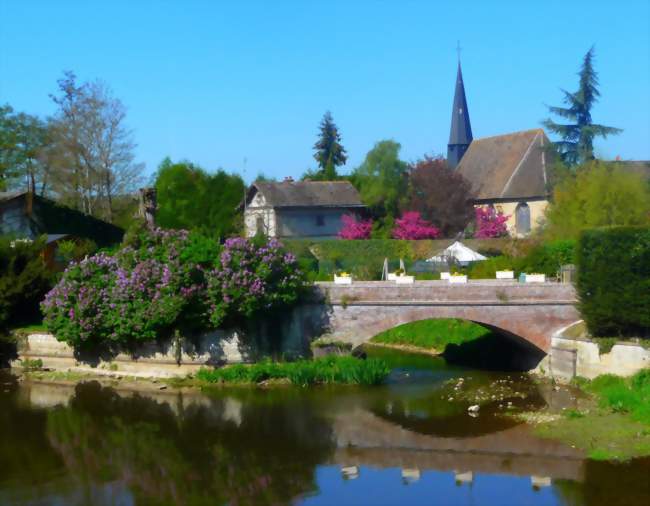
x=320 y=220
x=522 y=218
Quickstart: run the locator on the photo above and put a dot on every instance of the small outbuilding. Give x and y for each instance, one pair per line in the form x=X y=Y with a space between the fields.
x=299 y=209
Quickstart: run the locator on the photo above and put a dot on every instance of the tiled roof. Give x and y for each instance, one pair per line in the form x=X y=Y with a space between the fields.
x=511 y=166
x=308 y=194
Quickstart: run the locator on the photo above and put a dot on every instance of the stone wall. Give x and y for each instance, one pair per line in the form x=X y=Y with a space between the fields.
x=287 y=336
x=581 y=357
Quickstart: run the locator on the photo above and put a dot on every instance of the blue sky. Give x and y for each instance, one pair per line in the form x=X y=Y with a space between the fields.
x=220 y=82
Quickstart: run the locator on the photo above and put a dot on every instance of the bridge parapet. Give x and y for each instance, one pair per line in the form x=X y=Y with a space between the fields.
x=477 y=292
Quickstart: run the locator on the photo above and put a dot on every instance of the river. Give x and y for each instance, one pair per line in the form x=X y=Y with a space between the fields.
x=408 y=442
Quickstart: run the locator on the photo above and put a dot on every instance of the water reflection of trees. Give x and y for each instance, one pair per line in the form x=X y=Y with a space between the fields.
x=608 y=484
x=195 y=457
x=25 y=455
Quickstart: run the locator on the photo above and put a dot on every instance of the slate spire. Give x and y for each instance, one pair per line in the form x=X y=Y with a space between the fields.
x=460 y=135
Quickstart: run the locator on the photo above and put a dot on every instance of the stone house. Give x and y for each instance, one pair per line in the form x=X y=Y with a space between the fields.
x=509 y=172
x=298 y=209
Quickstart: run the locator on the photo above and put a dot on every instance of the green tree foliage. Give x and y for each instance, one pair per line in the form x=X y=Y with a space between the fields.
x=330 y=154
x=191 y=198
x=597 y=195
x=24 y=280
x=614 y=280
x=577 y=144
x=23 y=147
x=382 y=180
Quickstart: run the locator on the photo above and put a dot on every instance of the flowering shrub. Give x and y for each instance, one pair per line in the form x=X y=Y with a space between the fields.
x=163 y=280
x=411 y=226
x=250 y=278
x=490 y=223
x=355 y=229
x=141 y=293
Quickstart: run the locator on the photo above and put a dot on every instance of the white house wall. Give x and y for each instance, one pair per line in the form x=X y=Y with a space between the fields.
x=537 y=209
x=267 y=214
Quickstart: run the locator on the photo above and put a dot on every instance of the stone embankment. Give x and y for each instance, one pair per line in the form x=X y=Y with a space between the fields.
x=570 y=357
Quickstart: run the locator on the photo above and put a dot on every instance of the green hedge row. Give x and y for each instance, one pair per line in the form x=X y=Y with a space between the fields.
x=365 y=259
x=546 y=258
x=614 y=280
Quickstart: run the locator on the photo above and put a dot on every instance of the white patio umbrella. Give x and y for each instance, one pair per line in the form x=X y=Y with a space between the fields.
x=458 y=252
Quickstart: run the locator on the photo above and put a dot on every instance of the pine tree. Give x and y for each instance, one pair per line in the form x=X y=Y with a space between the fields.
x=577 y=144
x=329 y=151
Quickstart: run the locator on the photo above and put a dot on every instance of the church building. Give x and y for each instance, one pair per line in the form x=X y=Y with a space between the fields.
x=508 y=172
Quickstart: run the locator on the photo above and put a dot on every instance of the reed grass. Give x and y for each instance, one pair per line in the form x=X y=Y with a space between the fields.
x=325 y=370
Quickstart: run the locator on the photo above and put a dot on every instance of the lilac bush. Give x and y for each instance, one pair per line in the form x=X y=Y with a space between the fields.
x=251 y=278
x=142 y=292
x=164 y=280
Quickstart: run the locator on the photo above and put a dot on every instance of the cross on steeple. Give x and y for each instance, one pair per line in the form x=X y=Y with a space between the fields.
x=458 y=49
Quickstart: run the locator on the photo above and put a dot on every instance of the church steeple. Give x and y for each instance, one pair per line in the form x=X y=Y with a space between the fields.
x=460 y=136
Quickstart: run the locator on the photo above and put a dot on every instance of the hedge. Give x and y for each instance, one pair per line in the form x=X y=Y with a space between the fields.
x=365 y=258
x=614 y=280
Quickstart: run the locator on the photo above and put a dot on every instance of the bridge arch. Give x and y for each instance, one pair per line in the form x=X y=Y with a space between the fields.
x=533 y=313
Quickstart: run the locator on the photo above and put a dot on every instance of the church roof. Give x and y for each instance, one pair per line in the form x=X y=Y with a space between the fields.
x=461 y=128
x=510 y=166
x=290 y=193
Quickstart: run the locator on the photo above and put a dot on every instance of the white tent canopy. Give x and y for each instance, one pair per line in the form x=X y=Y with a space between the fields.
x=458 y=252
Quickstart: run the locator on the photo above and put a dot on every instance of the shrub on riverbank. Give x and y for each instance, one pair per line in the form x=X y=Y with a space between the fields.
x=161 y=281
x=614 y=280
x=250 y=278
x=326 y=370
x=432 y=334
x=24 y=280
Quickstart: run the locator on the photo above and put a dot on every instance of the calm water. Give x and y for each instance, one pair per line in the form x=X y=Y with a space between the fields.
x=402 y=443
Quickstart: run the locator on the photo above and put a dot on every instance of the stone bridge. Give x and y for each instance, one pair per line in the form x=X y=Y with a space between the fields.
x=533 y=312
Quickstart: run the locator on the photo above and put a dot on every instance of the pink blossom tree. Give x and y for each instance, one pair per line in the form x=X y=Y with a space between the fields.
x=490 y=223
x=355 y=229
x=411 y=226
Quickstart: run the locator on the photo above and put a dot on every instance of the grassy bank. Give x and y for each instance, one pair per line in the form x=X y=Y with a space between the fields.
x=432 y=334
x=617 y=424
x=326 y=370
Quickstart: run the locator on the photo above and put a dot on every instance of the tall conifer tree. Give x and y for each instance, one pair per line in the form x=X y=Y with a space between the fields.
x=329 y=151
x=577 y=144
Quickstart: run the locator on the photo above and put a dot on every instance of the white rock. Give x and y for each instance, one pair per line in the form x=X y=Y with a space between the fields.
x=473 y=409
